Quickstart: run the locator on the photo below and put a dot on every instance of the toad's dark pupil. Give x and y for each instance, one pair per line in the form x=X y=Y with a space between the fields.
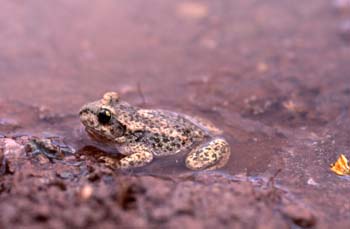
x=104 y=116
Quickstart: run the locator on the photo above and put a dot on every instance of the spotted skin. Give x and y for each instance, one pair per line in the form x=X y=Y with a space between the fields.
x=210 y=155
x=141 y=157
x=143 y=134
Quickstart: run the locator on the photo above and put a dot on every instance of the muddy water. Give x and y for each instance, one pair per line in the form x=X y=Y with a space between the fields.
x=273 y=75
x=51 y=67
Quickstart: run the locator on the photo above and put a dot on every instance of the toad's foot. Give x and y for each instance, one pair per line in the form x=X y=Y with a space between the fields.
x=110 y=162
x=210 y=155
x=139 y=156
x=136 y=160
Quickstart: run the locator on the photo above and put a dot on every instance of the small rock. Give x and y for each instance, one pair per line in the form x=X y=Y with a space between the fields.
x=301 y=216
x=86 y=192
x=12 y=148
x=10 y=151
x=65 y=175
x=53 y=148
x=311 y=181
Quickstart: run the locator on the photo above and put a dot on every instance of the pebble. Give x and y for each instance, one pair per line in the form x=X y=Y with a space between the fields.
x=12 y=148
x=86 y=192
x=311 y=181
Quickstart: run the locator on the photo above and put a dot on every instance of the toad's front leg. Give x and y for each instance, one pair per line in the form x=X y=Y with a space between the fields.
x=137 y=156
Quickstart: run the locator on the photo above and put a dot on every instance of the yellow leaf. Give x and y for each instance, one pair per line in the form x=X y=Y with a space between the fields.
x=341 y=166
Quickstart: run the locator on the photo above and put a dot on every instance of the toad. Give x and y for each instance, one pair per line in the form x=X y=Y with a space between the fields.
x=144 y=134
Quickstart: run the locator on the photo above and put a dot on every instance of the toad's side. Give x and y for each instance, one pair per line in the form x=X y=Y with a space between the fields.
x=143 y=134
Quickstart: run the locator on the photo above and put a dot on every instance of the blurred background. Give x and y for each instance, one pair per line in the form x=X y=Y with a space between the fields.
x=63 y=53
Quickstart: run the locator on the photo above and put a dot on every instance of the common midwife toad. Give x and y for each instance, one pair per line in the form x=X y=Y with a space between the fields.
x=143 y=134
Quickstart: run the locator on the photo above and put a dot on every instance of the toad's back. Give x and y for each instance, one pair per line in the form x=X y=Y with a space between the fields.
x=167 y=132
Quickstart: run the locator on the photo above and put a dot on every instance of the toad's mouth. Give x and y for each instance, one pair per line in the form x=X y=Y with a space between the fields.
x=97 y=136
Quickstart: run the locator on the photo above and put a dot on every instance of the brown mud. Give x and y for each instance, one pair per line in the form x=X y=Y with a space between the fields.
x=274 y=75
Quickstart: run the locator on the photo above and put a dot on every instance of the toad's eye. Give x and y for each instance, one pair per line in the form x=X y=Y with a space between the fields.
x=104 y=116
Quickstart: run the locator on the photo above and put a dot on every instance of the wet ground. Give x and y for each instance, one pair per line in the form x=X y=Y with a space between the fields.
x=274 y=75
